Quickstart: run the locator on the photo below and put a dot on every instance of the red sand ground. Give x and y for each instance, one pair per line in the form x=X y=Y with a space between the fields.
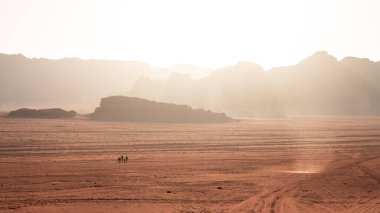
x=266 y=165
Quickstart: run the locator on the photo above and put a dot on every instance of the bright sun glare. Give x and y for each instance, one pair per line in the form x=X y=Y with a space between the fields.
x=207 y=33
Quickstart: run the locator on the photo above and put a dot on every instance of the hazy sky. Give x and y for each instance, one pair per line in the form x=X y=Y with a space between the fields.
x=203 y=32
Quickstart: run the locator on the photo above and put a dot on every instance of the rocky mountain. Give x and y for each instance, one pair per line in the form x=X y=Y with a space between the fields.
x=318 y=85
x=71 y=82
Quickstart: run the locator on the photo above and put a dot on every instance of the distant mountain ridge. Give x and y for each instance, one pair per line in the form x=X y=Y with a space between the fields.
x=70 y=82
x=25 y=81
x=318 y=85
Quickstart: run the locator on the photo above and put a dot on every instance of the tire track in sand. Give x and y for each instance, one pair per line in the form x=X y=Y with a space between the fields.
x=282 y=199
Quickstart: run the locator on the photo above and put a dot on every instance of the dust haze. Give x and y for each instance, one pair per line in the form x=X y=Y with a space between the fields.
x=318 y=85
x=189 y=106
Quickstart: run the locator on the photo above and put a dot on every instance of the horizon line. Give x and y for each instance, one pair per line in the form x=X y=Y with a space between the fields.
x=182 y=64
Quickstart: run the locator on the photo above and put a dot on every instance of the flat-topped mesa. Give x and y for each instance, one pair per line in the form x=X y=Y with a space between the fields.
x=121 y=108
x=42 y=113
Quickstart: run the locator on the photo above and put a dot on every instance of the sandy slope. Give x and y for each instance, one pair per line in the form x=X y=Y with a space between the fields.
x=266 y=165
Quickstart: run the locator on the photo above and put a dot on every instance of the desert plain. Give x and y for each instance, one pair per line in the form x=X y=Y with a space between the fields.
x=323 y=164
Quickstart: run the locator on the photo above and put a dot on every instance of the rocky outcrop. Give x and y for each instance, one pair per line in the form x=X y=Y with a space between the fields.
x=42 y=113
x=121 y=108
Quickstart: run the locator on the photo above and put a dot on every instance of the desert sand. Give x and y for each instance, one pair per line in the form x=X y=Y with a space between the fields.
x=261 y=165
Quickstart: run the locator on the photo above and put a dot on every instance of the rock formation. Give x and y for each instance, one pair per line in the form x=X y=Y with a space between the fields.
x=42 y=113
x=121 y=108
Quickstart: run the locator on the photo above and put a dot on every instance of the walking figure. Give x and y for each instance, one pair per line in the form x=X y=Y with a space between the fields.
x=122 y=159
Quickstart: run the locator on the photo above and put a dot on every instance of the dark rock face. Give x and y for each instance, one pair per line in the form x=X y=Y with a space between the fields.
x=120 y=108
x=42 y=113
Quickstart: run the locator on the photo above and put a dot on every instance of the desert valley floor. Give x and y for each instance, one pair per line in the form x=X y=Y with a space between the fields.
x=262 y=165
